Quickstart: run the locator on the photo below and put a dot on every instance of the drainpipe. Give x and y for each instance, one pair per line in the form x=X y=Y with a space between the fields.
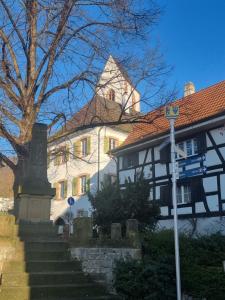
x=99 y=156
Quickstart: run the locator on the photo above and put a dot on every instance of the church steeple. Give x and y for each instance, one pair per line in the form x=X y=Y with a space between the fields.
x=115 y=85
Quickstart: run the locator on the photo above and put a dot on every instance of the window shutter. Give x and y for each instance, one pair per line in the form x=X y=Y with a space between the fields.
x=87 y=183
x=57 y=159
x=75 y=186
x=197 y=190
x=77 y=149
x=56 y=186
x=106 y=144
x=201 y=141
x=65 y=188
x=166 y=195
x=67 y=153
x=165 y=156
x=88 y=145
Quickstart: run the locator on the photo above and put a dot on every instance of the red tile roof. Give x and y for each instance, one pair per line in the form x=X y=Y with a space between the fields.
x=97 y=112
x=194 y=108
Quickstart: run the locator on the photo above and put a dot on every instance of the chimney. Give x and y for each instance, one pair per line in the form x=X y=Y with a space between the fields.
x=189 y=88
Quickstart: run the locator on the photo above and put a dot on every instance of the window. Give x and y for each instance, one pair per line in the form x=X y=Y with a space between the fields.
x=109 y=178
x=61 y=189
x=130 y=160
x=183 y=194
x=61 y=155
x=190 y=147
x=84 y=151
x=112 y=143
x=80 y=185
x=111 y=95
x=83 y=185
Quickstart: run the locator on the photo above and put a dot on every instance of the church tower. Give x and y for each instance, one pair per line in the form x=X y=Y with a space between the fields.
x=115 y=85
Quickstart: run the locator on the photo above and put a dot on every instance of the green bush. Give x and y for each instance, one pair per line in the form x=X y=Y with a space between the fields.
x=202 y=272
x=147 y=279
x=113 y=205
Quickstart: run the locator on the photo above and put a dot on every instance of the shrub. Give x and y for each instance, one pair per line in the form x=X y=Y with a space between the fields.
x=202 y=274
x=112 y=205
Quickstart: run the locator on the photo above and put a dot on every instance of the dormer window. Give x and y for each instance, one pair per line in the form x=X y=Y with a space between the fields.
x=111 y=95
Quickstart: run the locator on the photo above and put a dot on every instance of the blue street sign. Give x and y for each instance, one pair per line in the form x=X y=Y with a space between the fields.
x=191 y=160
x=193 y=172
x=71 y=201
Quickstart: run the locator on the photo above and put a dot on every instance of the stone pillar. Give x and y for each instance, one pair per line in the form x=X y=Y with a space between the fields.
x=132 y=231
x=34 y=198
x=83 y=228
x=116 y=231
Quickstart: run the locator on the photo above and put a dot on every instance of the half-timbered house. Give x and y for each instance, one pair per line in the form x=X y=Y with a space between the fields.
x=200 y=133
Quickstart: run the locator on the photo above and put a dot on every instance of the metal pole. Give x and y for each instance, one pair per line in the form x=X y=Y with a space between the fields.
x=174 y=194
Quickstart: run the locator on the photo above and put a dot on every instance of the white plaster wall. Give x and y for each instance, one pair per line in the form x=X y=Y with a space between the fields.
x=222 y=180
x=112 y=78
x=210 y=184
x=75 y=167
x=199 y=207
x=142 y=157
x=218 y=135
x=160 y=170
x=126 y=174
x=213 y=203
x=212 y=158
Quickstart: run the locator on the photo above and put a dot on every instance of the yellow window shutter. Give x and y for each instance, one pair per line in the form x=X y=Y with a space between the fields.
x=67 y=153
x=57 y=159
x=106 y=144
x=65 y=188
x=87 y=183
x=88 y=145
x=75 y=186
x=56 y=186
x=77 y=149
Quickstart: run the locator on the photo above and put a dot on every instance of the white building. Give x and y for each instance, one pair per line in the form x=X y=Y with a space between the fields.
x=80 y=159
x=200 y=132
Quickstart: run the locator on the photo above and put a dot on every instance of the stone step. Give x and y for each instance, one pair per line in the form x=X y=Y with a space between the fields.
x=42 y=278
x=50 y=291
x=43 y=246
x=41 y=266
x=43 y=255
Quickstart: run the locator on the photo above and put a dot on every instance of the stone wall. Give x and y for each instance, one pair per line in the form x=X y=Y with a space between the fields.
x=99 y=262
x=6 y=204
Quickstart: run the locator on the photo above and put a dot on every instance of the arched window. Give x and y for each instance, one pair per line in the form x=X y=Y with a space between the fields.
x=111 y=95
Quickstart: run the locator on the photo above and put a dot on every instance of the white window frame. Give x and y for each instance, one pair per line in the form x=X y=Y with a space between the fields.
x=183 y=194
x=84 y=143
x=83 y=184
x=62 y=189
x=112 y=143
x=184 y=146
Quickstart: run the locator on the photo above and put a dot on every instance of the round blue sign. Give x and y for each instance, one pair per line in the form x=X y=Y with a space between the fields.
x=71 y=201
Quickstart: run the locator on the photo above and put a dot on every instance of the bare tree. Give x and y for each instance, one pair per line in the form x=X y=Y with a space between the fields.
x=50 y=54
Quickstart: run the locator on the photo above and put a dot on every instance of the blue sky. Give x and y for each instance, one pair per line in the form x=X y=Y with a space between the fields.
x=192 y=38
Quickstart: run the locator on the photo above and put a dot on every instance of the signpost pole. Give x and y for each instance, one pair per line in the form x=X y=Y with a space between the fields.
x=174 y=194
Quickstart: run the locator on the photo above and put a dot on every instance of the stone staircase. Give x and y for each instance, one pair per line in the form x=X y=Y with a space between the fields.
x=42 y=269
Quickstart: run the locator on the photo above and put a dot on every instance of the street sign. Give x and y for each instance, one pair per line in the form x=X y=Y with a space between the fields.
x=70 y=201
x=171 y=112
x=193 y=172
x=191 y=160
